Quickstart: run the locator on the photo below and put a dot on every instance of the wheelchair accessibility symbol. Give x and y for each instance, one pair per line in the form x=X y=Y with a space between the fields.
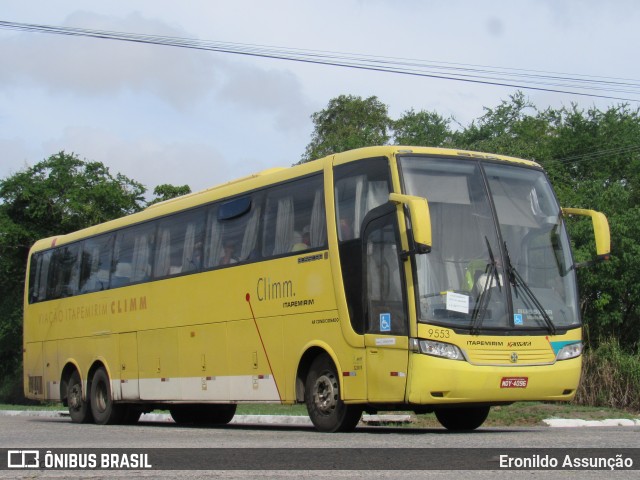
x=385 y=322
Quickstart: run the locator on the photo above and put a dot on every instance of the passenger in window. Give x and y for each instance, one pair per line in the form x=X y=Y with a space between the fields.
x=196 y=260
x=229 y=254
x=305 y=240
x=346 y=230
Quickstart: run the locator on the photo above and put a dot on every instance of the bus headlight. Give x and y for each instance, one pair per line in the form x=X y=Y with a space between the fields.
x=439 y=349
x=570 y=351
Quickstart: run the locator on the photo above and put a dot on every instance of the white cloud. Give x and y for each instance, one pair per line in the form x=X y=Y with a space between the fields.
x=85 y=66
x=181 y=77
x=149 y=160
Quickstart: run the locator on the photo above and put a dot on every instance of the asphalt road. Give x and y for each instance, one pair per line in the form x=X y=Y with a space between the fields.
x=59 y=433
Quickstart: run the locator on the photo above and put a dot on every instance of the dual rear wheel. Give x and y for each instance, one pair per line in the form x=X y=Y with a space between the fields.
x=99 y=407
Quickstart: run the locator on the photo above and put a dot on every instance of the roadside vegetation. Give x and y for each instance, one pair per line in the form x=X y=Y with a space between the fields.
x=610 y=377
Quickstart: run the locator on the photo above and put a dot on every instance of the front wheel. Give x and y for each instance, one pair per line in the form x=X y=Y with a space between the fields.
x=462 y=418
x=322 y=395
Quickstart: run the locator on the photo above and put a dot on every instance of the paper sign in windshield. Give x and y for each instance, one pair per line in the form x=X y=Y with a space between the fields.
x=457 y=302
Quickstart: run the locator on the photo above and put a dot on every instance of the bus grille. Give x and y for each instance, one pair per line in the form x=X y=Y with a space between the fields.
x=35 y=385
x=507 y=357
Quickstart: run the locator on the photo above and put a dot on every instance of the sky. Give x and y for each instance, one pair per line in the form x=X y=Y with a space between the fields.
x=160 y=114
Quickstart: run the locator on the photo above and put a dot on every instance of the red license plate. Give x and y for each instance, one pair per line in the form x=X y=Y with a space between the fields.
x=514 y=382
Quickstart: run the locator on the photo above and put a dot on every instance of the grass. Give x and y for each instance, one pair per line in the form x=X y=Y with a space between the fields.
x=518 y=414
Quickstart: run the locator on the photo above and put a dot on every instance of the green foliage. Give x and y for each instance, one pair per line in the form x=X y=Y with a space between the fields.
x=422 y=128
x=610 y=377
x=167 y=192
x=54 y=197
x=348 y=122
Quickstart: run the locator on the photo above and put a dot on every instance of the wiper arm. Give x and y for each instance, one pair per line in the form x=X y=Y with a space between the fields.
x=491 y=271
x=517 y=281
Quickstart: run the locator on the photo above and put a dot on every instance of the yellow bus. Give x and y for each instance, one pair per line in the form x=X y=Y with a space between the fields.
x=384 y=278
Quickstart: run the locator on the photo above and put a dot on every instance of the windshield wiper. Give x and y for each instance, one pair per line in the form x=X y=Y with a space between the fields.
x=491 y=271
x=517 y=281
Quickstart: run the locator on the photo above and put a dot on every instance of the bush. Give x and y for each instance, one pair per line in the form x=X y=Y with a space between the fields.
x=610 y=377
x=11 y=390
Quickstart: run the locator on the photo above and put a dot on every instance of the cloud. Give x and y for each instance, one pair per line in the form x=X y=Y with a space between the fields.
x=181 y=77
x=87 y=66
x=267 y=91
x=145 y=159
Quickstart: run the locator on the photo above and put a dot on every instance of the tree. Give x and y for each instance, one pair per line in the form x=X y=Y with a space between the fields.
x=424 y=128
x=167 y=192
x=56 y=196
x=600 y=155
x=348 y=122
x=592 y=158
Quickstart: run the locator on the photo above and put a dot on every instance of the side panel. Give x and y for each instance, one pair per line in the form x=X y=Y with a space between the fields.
x=386 y=367
x=33 y=371
x=251 y=377
x=51 y=370
x=203 y=362
x=159 y=363
x=128 y=345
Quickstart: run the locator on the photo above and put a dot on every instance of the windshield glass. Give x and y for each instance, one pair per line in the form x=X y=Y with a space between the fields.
x=464 y=268
x=537 y=246
x=466 y=281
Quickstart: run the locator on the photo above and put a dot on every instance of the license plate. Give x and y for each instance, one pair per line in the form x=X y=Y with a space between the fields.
x=514 y=382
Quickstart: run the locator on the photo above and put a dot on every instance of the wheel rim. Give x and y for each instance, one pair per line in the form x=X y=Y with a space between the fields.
x=326 y=394
x=75 y=397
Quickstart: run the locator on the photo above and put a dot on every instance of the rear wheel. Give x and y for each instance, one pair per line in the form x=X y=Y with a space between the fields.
x=105 y=411
x=79 y=408
x=322 y=395
x=463 y=418
x=203 y=414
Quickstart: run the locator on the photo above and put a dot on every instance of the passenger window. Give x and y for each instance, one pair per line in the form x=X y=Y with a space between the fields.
x=65 y=272
x=295 y=218
x=359 y=188
x=132 y=255
x=179 y=244
x=232 y=232
x=97 y=253
x=38 y=276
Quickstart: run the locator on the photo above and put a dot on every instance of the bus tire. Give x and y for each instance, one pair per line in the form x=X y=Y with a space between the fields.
x=105 y=411
x=322 y=396
x=79 y=408
x=462 y=418
x=203 y=414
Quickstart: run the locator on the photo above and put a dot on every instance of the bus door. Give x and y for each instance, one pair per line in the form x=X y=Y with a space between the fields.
x=384 y=307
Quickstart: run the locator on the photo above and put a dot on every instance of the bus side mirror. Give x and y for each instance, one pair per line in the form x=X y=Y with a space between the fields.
x=420 y=219
x=600 y=229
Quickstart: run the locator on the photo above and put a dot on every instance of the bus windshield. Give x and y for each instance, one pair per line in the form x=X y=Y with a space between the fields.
x=500 y=258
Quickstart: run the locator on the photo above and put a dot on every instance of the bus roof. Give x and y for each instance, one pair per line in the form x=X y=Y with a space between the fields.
x=263 y=179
